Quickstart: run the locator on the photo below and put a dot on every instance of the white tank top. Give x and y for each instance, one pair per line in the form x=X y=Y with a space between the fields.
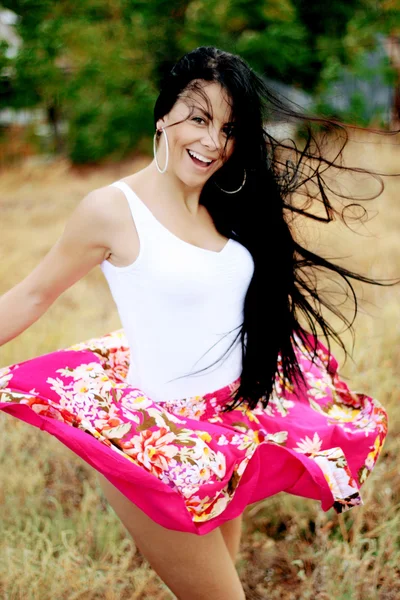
x=181 y=307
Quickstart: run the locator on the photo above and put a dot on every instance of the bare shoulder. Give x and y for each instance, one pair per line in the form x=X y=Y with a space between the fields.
x=107 y=210
x=89 y=237
x=115 y=226
x=103 y=203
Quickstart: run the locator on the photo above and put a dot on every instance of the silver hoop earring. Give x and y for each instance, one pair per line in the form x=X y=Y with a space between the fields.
x=234 y=191
x=155 y=151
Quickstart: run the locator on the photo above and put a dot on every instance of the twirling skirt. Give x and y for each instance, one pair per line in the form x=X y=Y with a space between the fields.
x=185 y=463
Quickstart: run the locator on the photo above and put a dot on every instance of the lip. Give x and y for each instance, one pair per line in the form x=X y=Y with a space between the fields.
x=199 y=166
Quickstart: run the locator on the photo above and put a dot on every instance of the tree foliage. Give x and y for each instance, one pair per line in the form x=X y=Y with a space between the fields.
x=96 y=64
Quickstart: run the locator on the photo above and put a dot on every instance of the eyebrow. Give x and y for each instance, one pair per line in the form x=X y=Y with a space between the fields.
x=207 y=114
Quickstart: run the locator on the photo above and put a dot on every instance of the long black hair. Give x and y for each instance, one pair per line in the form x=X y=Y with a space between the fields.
x=283 y=305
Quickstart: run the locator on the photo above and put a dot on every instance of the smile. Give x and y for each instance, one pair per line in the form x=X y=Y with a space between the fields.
x=199 y=160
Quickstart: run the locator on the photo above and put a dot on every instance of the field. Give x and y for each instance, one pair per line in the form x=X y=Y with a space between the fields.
x=59 y=540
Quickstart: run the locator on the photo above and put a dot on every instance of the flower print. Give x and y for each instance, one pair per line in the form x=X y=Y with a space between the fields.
x=107 y=418
x=367 y=422
x=186 y=454
x=204 y=473
x=203 y=509
x=45 y=409
x=205 y=451
x=342 y=413
x=82 y=393
x=5 y=377
x=128 y=414
x=38 y=406
x=181 y=478
x=153 y=449
x=346 y=395
x=246 y=412
x=196 y=505
x=318 y=388
x=104 y=383
x=119 y=363
x=218 y=464
x=197 y=475
x=240 y=469
x=198 y=411
x=278 y=404
x=159 y=417
x=57 y=385
x=279 y=437
x=250 y=440
x=213 y=508
x=222 y=440
x=63 y=391
x=193 y=407
x=316 y=406
x=117 y=429
x=84 y=371
x=341 y=484
x=136 y=400
x=308 y=445
x=163 y=438
x=215 y=419
x=204 y=435
x=188 y=490
x=171 y=417
x=373 y=455
x=283 y=386
x=69 y=417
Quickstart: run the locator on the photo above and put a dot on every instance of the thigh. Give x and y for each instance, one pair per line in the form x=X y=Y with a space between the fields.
x=194 y=567
x=232 y=532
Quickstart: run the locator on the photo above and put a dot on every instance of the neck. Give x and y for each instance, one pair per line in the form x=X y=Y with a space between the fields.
x=170 y=188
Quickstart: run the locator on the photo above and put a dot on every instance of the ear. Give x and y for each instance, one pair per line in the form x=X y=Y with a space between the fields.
x=160 y=123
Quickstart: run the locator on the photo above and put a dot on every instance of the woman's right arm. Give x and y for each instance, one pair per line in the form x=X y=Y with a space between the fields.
x=85 y=243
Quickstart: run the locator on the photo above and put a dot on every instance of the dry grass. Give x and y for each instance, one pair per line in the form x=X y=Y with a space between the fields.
x=59 y=539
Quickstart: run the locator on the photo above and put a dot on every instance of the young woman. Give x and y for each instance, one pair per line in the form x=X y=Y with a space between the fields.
x=217 y=393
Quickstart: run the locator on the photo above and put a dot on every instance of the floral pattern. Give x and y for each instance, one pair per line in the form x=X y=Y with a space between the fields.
x=317 y=439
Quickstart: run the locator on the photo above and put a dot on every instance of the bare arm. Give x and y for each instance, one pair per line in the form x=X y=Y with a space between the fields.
x=84 y=244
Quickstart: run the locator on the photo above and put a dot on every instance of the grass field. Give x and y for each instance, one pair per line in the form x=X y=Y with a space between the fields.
x=58 y=538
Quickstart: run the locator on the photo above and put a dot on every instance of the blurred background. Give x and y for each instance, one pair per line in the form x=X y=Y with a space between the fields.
x=81 y=78
x=78 y=81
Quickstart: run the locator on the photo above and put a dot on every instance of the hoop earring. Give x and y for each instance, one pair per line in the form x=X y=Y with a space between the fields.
x=234 y=191
x=155 y=151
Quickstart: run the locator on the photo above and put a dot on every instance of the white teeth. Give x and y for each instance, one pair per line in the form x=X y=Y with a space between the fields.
x=200 y=157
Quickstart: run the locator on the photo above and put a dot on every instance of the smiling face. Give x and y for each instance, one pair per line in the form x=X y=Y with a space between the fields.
x=200 y=134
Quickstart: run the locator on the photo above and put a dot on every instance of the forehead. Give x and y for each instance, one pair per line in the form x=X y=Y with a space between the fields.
x=211 y=97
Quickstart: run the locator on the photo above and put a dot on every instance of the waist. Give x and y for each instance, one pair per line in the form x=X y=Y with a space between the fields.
x=202 y=406
x=168 y=381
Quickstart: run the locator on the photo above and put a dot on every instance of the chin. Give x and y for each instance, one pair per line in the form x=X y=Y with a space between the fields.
x=192 y=181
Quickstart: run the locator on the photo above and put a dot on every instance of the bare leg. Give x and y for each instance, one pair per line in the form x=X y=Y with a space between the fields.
x=232 y=530
x=194 y=567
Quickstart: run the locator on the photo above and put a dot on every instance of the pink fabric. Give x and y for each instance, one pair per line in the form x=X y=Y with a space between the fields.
x=185 y=463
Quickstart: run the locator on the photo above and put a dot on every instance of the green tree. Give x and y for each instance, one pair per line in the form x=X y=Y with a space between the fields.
x=96 y=64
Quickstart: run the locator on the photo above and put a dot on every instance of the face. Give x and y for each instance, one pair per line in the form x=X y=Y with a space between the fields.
x=200 y=129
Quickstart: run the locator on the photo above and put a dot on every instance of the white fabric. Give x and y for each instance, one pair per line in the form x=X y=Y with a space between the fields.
x=175 y=302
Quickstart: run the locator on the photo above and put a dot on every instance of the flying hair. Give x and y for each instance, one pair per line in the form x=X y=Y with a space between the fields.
x=286 y=180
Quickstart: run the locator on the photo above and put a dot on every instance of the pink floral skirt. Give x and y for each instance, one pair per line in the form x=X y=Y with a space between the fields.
x=187 y=464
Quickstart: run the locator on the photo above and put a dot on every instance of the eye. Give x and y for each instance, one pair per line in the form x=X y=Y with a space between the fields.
x=198 y=119
x=229 y=131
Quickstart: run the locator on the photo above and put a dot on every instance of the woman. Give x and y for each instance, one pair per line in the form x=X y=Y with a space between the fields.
x=215 y=395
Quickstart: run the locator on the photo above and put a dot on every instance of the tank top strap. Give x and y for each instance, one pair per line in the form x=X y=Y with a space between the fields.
x=140 y=212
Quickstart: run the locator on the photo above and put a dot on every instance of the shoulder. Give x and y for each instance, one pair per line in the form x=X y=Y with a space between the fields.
x=107 y=214
x=106 y=207
x=103 y=203
x=97 y=217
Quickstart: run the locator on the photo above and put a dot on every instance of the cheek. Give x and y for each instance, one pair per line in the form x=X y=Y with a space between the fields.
x=230 y=147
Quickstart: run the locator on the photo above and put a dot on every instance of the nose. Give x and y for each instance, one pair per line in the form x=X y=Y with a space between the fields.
x=212 y=139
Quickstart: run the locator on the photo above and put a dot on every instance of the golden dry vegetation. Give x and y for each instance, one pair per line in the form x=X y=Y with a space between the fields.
x=59 y=539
